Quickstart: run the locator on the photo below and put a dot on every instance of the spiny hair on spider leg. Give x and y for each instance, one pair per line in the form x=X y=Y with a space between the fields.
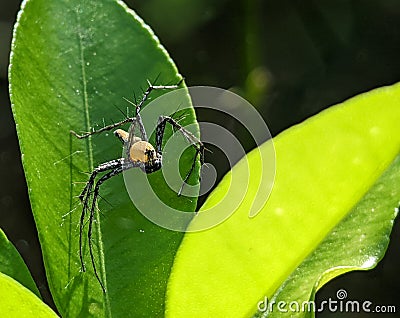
x=79 y=182
x=156 y=79
x=123 y=114
x=105 y=200
x=69 y=212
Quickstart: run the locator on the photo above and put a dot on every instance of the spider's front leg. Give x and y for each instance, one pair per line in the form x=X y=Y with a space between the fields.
x=106 y=128
x=192 y=139
x=138 y=107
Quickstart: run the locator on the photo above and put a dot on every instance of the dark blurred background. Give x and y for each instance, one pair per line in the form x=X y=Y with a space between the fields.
x=290 y=58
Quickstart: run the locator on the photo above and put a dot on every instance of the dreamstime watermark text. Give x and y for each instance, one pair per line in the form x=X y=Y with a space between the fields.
x=341 y=305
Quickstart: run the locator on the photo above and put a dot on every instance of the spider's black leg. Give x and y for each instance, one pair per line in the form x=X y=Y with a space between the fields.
x=193 y=140
x=139 y=121
x=131 y=119
x=85 y=196
x=109 y=127
x=117 y=170
x=91 y=218
x=154 y=87
x=146 y=94
x=198 y=152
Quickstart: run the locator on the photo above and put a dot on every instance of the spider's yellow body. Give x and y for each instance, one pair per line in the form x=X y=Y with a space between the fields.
x=140 y=151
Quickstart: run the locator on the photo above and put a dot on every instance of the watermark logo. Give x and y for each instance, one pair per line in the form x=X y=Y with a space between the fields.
x=341 y=294
x=342 y=304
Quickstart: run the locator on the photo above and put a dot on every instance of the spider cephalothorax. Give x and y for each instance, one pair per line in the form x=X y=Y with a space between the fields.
x=140 y=153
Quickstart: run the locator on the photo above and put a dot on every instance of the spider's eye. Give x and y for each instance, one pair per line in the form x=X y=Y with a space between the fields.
x=150 y=154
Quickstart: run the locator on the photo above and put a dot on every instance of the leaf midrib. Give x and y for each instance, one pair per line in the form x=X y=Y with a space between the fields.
x=97 y=224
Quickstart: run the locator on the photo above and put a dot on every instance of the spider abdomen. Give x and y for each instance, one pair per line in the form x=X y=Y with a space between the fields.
x=143 y=152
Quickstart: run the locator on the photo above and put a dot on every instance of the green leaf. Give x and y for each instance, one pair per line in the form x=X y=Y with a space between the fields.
x=17 y=301
x=358 y=242
x=324 y=167
x=72 y=64
x=12 y=264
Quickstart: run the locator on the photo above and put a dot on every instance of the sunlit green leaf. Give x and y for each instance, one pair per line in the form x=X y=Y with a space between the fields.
x=325 y=167
x=12 y=264
x=16 y=301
